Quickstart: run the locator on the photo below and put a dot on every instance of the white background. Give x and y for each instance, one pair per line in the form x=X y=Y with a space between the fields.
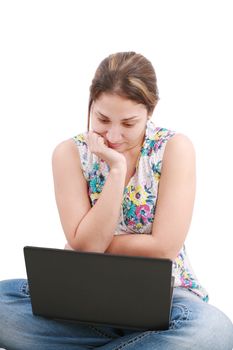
x=49 y=51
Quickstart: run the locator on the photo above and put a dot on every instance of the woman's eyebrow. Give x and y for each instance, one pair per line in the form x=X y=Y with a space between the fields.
x=135 y=116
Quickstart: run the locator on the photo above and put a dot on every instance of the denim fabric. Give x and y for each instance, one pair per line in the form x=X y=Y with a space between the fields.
x=194 y=324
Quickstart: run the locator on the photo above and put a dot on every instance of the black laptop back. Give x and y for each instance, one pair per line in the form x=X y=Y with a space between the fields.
x=101 y=289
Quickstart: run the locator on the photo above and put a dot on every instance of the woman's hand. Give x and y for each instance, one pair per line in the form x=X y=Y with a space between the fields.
x=98 y=146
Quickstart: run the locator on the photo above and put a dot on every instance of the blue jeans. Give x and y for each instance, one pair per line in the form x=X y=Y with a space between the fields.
x=194 y=324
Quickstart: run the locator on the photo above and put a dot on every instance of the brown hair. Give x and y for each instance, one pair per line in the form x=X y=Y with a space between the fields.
x=127 y=74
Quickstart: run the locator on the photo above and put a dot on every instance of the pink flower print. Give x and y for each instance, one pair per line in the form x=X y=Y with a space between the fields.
x=143 y=213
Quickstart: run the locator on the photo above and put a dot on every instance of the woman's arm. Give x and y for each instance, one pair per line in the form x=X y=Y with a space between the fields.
x=173 y=209
x=134 y=244
x=96 y=229
x=86 y=228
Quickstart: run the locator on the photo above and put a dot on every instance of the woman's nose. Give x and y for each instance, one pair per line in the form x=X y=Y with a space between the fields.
x=114 y=135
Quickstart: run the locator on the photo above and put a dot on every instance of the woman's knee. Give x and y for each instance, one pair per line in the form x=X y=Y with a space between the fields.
x=14 y=306
x=215 y=330
x=201 y=325
x=13 y=288
x=224 y=328
x=14 y=297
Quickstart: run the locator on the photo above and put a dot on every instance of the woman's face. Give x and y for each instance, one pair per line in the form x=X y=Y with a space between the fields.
x=120 y=121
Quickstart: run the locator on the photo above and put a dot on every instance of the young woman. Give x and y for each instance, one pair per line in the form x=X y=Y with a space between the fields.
x=126 y=186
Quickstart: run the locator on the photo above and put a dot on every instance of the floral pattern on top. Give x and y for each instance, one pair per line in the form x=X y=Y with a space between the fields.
x=138 y=208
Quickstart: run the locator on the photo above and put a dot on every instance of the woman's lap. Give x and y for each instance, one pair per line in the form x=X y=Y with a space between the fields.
x=194 y=324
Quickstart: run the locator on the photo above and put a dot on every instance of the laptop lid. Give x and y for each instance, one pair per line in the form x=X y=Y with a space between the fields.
x=100 y=289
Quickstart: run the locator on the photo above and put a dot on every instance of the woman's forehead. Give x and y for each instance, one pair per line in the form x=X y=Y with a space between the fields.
x=110 y=105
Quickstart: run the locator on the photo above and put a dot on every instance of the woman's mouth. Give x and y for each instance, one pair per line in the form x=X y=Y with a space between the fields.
x=114 y=145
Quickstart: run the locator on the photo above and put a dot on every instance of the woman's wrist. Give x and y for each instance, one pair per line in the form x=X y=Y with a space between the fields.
x=120 y=168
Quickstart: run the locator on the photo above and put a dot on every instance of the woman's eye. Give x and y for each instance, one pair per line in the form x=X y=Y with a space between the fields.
x=128 y=125
x=106 y=121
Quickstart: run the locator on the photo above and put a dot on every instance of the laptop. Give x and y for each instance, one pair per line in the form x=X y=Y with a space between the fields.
x=121 y=291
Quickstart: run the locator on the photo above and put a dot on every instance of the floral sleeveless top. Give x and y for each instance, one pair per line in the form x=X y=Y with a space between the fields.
x=138 y=206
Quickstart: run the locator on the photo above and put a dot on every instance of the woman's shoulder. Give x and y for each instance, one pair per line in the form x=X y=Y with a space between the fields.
x=65 y=150
x=68 y=147
x=180 y=146
x=178 y=156
x=158 y=136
